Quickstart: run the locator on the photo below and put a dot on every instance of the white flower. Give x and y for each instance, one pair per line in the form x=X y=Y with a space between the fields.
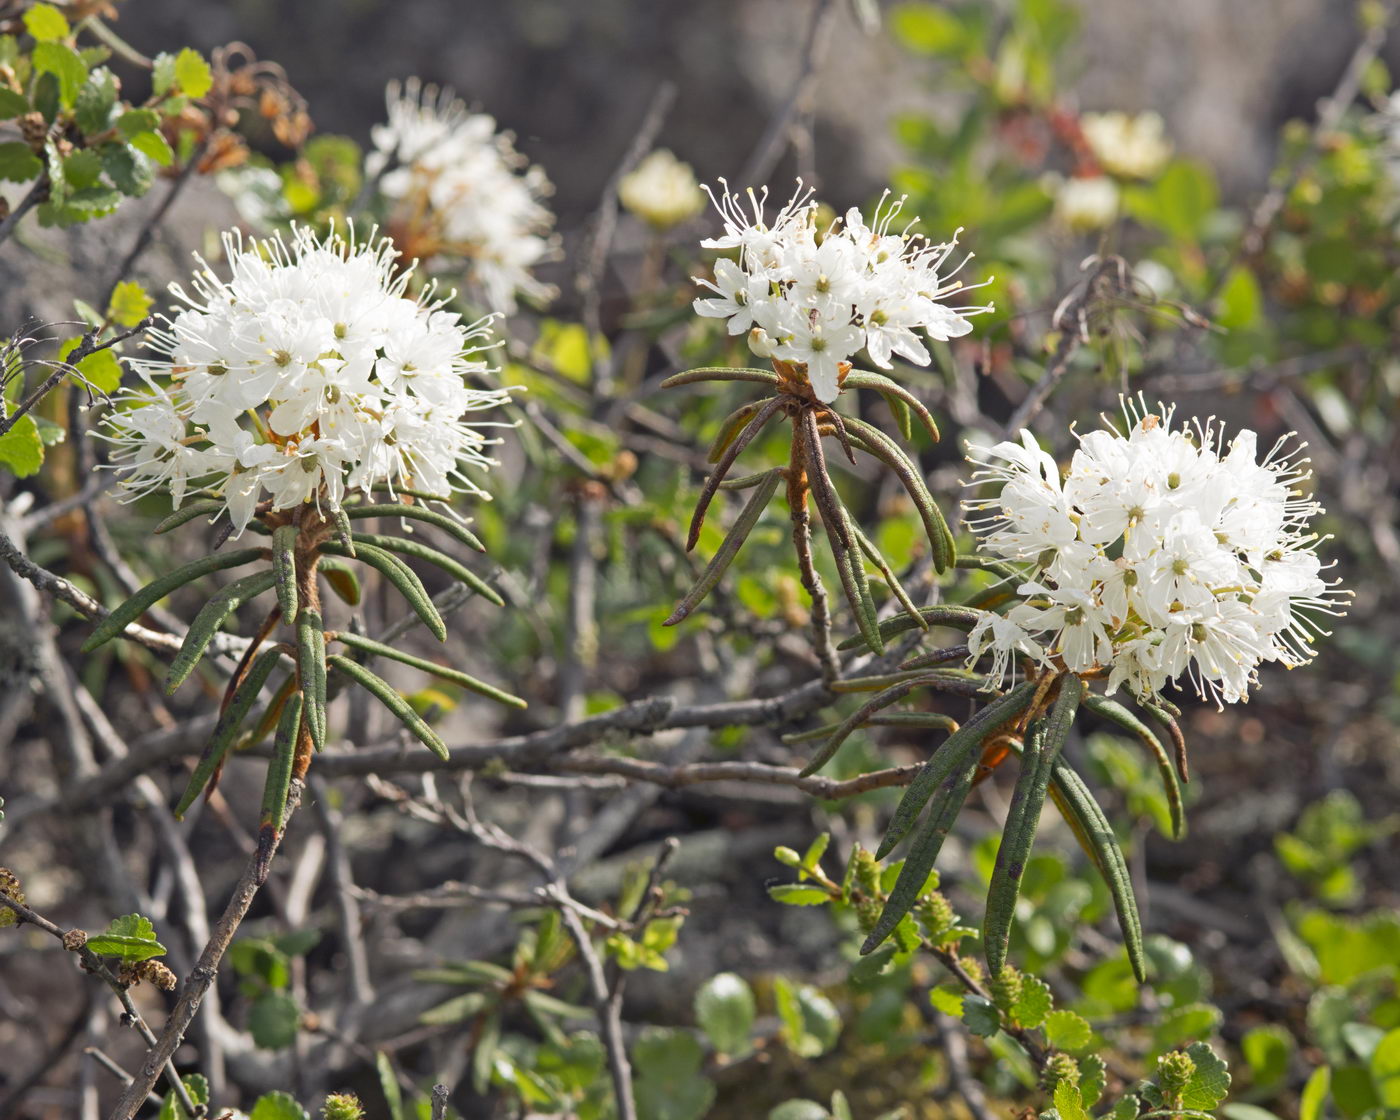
x=815 y=298
x=1131 y=146
x=1162 y=552
x=661 y=190
x=459 y=189
x=1086 y=204
x=307 y=374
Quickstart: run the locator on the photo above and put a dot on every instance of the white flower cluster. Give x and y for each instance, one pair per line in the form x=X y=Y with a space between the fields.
x=1135 y=147
x=1159 y=553
x=459 y=189
x=661 y=190
x=306 y=375
x=815 y=297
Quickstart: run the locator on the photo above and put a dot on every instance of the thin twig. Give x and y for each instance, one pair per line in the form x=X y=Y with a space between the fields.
x=198 y=982
x=153 y=220
x=37 y=193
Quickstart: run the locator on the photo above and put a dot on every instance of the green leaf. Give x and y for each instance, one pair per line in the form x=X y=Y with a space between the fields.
x=1385 y=1069
x=46 y=23
x=796 y=894
x=277 y=1106
x=1068 y=1031
x=725 y=1010
x=669 y=1085
x=1315 y=1092
x=458 y=1009
x=274 y=1020
x=1069 y=1101
x=389 y=1084
x=928 y=29
x=259 y=958
x=163 y=73
x=1034 y=1004
x=981 y=1016
x=131 y=938
x=1210 y=1084
x=95 y=101
x=799 y=1110
x=17 y=163
x=1238 y=1111
x=196 y=1085
x=948 y=1000
x=154 y=145
x=811 y=1022
x=12 y=104
x=130 y=304
x=192 y=74
x=1184 y=196
x=1241 y=303
x=134 y=121
x=102 y=368
x=1126 y=1108
x=128 y=170
x=1268 y=1050
x=22 y=448
x=1093 y=1076
x=65 y=65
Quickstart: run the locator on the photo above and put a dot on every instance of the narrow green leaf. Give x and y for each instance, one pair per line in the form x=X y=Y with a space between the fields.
x=1116 y=713
x=188 y=513
x=949 y=758
x=1043 y=745
x=226 y=730
x=341 y=578
x=720 y=373
x=875 y=443
x=401 y=576
x=729 y=548
x=1091 y=827
x=279 y=770
x=456 y=676
x=158 y=589
x=944 y=805
x=959 y=618
x=417 y=513
x=384 y=692
x=730 y=427
x=284 y=566
x=208 y=621
x=344 y=532
x=420 y=551
x=873 y=554
x=311 y=663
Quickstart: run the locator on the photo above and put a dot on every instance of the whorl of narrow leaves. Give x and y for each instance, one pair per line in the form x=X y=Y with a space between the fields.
x=158 y=589
x=456 y=676
x=1043 y=745
x=385 y=693
x=1091 y=828
x=208 y=621
x=402 y=577
x=226 y=730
